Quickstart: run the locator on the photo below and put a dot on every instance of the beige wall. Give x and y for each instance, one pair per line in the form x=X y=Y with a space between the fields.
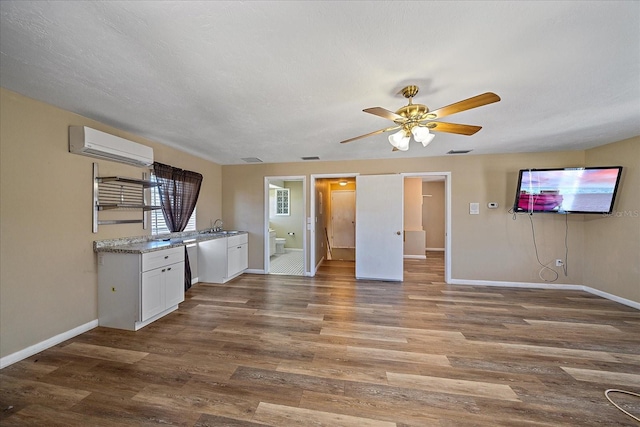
x=413 y=233
x=433 y=211
x=48 y=272
x=413 y=204
x=612 y=244
x=489 y=246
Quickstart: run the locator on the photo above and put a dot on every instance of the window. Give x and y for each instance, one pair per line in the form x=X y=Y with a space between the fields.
x=158 y=226
x=282 y=201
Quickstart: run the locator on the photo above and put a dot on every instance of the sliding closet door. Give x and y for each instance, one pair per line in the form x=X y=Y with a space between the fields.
x=379 y=216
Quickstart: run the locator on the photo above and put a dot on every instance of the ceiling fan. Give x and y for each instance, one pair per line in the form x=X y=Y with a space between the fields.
x=417 y=119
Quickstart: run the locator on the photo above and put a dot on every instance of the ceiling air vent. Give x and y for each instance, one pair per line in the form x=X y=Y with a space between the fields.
x=459 y=151
x=251 y=160
x=310 y=158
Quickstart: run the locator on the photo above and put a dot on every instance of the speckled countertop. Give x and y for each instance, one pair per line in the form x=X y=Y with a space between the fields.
x=142 y=244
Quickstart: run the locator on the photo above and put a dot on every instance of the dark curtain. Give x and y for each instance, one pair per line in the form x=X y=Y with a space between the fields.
x=178 y=192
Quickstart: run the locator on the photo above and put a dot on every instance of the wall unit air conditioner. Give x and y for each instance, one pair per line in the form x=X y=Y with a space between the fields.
x=91 y=142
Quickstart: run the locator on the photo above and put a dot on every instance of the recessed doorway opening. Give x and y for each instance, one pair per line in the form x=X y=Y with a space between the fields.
x=285 y=225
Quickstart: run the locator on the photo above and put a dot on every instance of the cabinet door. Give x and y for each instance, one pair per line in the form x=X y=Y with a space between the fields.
x=152 y=295
x=212 y=260
x=174 y=284
x=237 y=259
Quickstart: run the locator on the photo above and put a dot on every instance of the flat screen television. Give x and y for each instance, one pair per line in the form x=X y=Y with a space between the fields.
x=590 y=190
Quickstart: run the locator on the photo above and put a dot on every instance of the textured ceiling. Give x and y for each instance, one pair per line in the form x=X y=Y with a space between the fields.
x=284 y=80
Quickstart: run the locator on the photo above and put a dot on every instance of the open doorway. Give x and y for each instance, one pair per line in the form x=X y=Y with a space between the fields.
x=285 y=225
x=332 y=218
x=341 y=220
x=428 y=233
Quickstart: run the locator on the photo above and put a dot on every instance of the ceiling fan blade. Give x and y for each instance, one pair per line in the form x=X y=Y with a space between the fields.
x=453 y=128
x=385 y=114
x=467 y=104
x=370 y=134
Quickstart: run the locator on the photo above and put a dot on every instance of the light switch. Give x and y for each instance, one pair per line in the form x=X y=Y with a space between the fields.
x=474 y=208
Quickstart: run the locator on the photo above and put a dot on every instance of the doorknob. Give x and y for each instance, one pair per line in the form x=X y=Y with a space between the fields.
x=398 y=232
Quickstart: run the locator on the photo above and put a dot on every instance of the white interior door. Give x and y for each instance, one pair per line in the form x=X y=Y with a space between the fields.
x=343 y=218
x=379 y=217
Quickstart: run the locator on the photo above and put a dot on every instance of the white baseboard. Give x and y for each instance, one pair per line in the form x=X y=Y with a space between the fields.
x=612 y=297
x=194 y=280
x=48 y=343
x=434 y=249
x=531 y=285
x=415 y=256
x=254 y=271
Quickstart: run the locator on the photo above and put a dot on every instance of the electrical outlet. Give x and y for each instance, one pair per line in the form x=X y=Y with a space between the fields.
x=559 y=263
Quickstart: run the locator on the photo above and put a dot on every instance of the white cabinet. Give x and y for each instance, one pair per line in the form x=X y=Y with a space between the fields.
x=237 y=255
x=136 y=289
x=222 y=259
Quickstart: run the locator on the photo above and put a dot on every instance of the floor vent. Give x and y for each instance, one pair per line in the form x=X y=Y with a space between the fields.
x=252 y=160
x=459 y=151
x=310 y=158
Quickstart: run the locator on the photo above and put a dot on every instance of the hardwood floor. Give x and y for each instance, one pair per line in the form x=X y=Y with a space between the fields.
x=333 y=351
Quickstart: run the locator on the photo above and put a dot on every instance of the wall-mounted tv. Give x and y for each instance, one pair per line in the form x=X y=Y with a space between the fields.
x=589 y=190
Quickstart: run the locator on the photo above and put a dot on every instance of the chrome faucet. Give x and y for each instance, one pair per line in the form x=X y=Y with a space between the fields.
x=217 y=225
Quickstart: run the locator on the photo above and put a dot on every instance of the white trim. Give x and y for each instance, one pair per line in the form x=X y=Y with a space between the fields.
x=415 y=256
x=531 y=285
x=48 y=343
x=563 y=286
x=624 y=301
x=434 y=249
x=194 y=280
x=254 y=271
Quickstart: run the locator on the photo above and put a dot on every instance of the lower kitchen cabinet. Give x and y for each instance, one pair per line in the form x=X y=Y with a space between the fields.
x=222 y=259
x=136 y=289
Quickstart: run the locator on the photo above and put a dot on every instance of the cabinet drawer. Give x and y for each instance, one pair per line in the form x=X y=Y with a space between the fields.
x=237 y=240
x=157 y=259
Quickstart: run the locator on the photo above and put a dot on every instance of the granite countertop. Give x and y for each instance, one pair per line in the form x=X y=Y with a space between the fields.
x=142 y=244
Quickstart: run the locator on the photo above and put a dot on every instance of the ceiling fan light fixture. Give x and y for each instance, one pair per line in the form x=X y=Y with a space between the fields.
x=396 y=138
x=422 y=134
x=411 y=118
x=400 y=140
x=426 y=141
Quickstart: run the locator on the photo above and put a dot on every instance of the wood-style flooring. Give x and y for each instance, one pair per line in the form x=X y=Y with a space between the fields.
x=333 y=351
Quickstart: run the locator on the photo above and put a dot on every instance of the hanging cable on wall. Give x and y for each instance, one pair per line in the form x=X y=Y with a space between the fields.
x=535 y=246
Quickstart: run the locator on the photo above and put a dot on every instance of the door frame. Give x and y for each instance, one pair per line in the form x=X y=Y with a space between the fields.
x=447 y=216
x=305 y=227
x=313 y=235
x=448 y=246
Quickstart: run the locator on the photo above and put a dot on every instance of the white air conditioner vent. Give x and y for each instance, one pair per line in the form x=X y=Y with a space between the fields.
x=90 y=142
